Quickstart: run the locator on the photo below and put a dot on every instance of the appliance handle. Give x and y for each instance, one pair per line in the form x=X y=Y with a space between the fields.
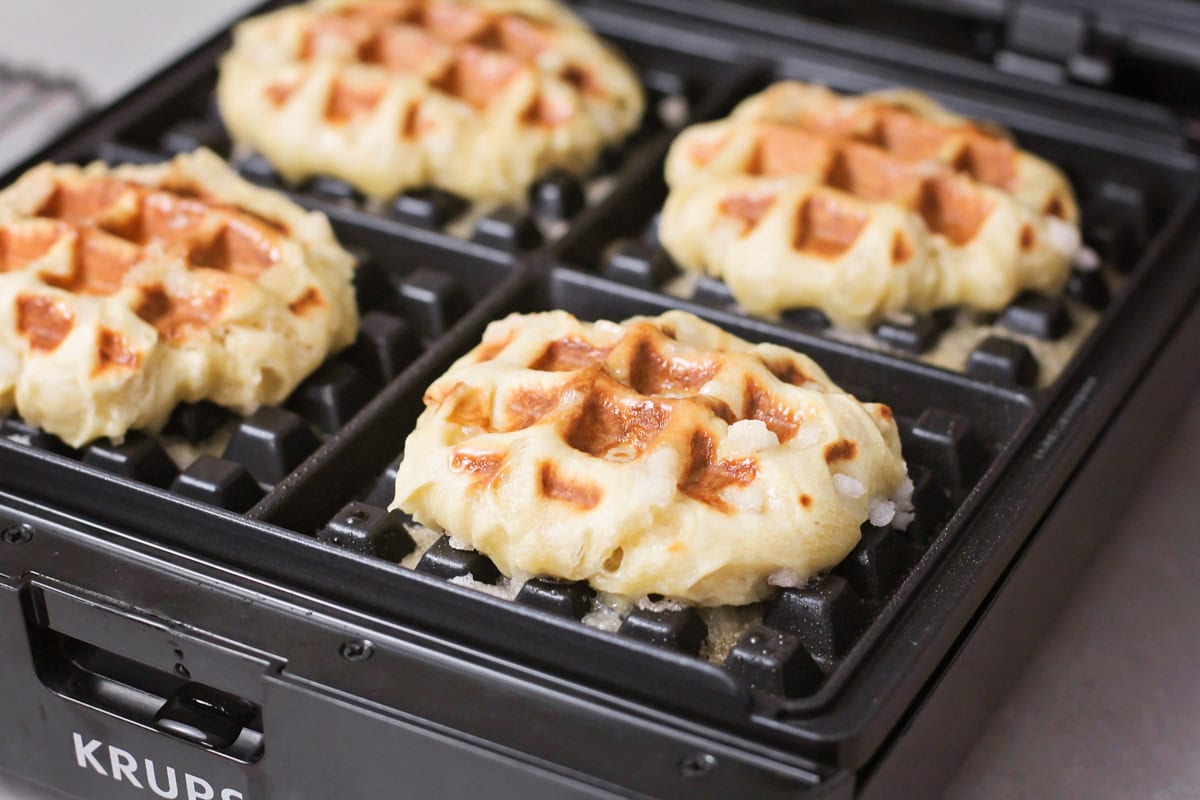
x=140 y=669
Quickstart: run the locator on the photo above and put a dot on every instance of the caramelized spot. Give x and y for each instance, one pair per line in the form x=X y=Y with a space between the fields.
x=490 y=348
x=748 y=208
x=477 y=75
x=278 y=93
x=347 y=102
x=910 y=137
x=677 y=546
x=470 y=408
x=543 y=110
x=806 y=501
x=333 y=36
x=873 y=175
x=607 y=421
x=527 y=406
x=841 y=450
x=380 y=12
x=522 y=37
x=168 y=217
x=827 y=226
x=112 y=350
x=20 y=247
x=1055 y=207
x=704 y=478
x=566 y=355
x=80 y=202
x=988 y=160
x=1028 y=238
x=613 y=562
x=782 y=150
x=786 y=370
x=952 y=209
x=902 y=249
x=651 y=373
x=759 y=404
x=406 y=50
x=244 y=246
x=456 y=23
x=583 y=80
x=44 y=321
x=577 y=493
x=174 y=317
x=482 y=467
x=703 y=151
x=885 y=412
x=309 y=301
x=408 y=128
x=100 y=264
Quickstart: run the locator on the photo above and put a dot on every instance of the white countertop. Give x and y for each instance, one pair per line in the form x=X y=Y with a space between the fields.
x=1109 y=707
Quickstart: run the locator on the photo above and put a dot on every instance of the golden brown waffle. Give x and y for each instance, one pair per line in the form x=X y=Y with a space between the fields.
x=660 y=455
x=479 y=97
x=861 y=206
x=124 y=292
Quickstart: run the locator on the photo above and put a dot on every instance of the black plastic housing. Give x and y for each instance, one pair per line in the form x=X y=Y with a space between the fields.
x=212 y=613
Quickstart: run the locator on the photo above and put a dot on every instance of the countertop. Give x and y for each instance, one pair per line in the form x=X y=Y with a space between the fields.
x=1108 y=707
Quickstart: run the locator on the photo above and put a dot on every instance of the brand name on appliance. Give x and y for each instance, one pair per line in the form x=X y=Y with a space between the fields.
x=123 y=767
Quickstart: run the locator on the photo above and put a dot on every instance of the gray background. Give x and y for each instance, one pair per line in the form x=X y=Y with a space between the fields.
x=1109 y=707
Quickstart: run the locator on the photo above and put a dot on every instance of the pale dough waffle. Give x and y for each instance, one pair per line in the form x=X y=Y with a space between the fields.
x=864 y=206
x=479 y=98
x=126 y=291
x=656 y=456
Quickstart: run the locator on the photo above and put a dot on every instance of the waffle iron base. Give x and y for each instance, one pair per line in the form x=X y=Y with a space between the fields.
x=308 y=700
x=163 y=635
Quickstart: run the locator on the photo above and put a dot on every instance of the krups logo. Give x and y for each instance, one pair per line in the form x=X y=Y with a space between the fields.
x=121 y=766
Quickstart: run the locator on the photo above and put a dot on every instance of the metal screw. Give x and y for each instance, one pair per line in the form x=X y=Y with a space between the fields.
x=357 y=650
x=697 y=765
x=17 y=534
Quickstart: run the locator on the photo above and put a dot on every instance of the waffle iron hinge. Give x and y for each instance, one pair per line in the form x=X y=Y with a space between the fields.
x=1051 y=42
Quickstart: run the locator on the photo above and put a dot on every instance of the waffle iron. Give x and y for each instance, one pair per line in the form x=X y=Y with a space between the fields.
x=234 y=624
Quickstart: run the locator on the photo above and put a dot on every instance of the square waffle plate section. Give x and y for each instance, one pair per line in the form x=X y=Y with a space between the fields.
x=789 y=652
x=1126 y=195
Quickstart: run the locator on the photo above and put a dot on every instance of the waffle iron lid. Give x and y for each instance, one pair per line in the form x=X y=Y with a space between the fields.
x=1089 y=41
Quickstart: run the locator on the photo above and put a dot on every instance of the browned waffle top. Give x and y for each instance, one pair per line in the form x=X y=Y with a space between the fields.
x=113 y=274
x=801 y=178
x=464 y=52
x=112 y=224
x=476 y=97
x=629 y=454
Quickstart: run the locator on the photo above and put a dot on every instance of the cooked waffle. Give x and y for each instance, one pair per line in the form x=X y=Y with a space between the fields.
x=661 y=455
x=863 y=206
x=126 y=291
x=479 y=97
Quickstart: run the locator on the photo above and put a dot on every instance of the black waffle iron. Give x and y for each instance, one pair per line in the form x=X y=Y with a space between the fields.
x=237 y=626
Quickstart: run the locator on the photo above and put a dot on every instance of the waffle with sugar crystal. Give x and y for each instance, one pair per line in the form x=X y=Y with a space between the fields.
x=479 y=97
x=126 y=291
x=659 y=455
x=866 y=205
